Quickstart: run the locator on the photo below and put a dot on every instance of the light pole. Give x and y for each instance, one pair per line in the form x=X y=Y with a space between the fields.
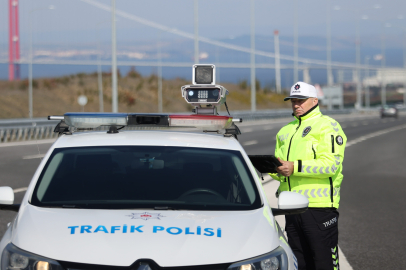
x=400 y=17
x=404 y=66
x=160 y=106
x=383 y=55
x=253 y=91
x=114 y=98
x=99 y=69
x=196 y=24
x=296 y=45
x=383 y=64
x=277 y=62
x=358 y=103
x=330 y=80
x=367 y=96
x=30 y=94
x=100 y=78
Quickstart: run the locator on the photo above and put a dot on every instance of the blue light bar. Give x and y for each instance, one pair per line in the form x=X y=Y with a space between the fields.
x=94 y=120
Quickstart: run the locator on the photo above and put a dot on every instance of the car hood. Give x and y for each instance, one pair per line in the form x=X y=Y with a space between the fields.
x=120 y=237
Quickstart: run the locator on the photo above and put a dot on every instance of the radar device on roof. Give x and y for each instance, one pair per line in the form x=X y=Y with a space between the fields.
x=203 y=93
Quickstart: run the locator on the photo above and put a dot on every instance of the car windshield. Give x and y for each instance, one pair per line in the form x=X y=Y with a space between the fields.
x=157 y=177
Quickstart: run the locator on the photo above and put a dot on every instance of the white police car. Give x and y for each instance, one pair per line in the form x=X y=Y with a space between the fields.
x=146 y=199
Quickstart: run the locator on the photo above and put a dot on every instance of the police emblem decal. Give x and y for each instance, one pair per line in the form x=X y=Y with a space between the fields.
x=297 y=86
x=145 y=216
x=339 y=140
x=306 y=131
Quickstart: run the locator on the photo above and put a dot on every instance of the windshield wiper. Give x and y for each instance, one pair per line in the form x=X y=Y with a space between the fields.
x=165 y=208
x=69 y=206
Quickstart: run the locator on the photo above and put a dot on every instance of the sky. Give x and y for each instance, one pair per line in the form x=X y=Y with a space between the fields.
x=77 y=21
x=79 y=24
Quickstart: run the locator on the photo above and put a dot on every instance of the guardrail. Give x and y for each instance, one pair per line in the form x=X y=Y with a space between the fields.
x=13 y=134
x=270 y=114
x=12 y=130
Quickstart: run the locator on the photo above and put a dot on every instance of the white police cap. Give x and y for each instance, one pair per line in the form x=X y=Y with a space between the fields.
x=302 y=90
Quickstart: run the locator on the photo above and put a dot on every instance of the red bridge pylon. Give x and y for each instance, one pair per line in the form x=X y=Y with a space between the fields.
x=13 y=41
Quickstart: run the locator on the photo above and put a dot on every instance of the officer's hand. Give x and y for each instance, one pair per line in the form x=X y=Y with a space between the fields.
x=286 y=169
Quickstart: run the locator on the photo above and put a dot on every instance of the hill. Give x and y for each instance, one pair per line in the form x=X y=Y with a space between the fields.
x=136 y=93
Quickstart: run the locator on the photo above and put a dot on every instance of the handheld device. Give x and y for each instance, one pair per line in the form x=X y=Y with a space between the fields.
x=265 y=163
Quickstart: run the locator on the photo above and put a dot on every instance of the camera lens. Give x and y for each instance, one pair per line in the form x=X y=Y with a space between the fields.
x=191 y=93
x=215 y=93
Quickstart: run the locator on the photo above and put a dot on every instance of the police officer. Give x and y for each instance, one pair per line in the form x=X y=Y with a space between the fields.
x=311 y=150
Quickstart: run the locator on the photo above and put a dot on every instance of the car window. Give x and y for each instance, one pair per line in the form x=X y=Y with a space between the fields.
x=122 y=177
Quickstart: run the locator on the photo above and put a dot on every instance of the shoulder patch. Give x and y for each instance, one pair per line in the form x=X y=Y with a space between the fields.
x=339 y=140
x=306 y=131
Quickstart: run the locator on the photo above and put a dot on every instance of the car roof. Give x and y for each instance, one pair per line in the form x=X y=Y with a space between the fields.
x=148 y=137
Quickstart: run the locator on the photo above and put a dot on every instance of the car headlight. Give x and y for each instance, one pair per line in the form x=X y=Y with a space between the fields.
x=275 y=260
x=14 y=258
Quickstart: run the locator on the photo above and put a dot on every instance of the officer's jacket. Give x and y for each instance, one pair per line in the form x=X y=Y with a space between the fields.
x=315 y=143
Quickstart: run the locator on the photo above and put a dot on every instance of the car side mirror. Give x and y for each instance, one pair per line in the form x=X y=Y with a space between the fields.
x=290 y=203
x=6 y=195
x=7 y=199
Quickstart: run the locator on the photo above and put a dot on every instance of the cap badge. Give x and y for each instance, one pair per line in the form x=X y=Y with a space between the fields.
x=306 y=131
x=297 y=86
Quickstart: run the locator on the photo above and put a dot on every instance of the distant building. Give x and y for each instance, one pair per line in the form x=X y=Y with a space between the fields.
x=390 y=75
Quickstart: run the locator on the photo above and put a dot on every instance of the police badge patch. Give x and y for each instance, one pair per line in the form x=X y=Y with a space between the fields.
x=306 y=131
x=339 y=140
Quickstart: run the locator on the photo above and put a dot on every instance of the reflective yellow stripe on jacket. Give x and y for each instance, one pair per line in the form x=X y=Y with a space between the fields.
x=316 y=144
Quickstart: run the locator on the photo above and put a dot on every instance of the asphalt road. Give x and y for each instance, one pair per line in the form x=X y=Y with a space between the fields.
x=372 y=208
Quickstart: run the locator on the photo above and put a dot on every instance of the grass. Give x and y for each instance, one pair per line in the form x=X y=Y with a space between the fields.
x=55 y=96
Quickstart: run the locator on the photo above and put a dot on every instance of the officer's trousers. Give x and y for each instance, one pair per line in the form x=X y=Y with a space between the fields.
x=313 y=237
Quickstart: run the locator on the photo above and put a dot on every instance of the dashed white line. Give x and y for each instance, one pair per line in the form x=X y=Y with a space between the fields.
x=246 y=130
x=17 y=190
x=267 y=128
x=34 y=156
x=250 y=142
x=354 y=125
x=364 y=123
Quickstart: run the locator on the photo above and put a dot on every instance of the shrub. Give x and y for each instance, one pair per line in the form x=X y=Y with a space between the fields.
x=133 y=73
x=243 y=84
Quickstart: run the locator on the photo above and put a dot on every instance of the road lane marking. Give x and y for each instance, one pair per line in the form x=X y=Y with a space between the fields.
x=251 y=142
x=344 y=264
x=365 y=123
x=374 y=134
x=34 y=156
x=17 y=190
x=354 y=125
x=267 y=128
x=246 y=130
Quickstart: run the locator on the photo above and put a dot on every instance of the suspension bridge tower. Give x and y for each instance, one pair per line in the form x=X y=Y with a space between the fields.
x=13 y=42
